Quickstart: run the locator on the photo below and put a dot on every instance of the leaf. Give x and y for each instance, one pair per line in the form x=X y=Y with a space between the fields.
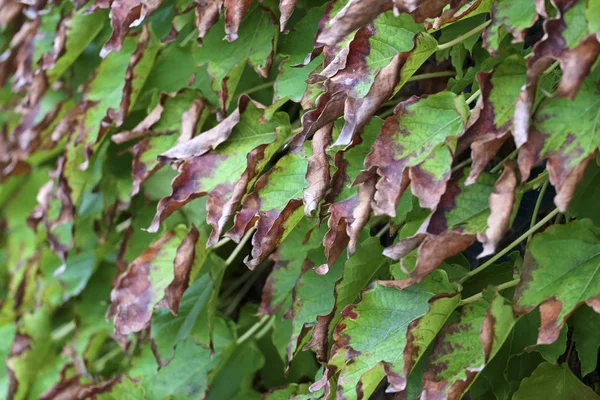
x=569 y=251
x=573 y=46
x=491 y=121
x=388 y=318
x=196 y=314
x=462 y=212
x=289 y=257
x=276 y=201
x=567 y=154
x=421 y=149
x=556 y=381
x=581 y=205
x=466 y=346
x=257 y=36
x=155 y=275
x=358 y=272
x=514 y=16
x=585 y=322
x=124 y=14
x=286 y=8
x=228 y=172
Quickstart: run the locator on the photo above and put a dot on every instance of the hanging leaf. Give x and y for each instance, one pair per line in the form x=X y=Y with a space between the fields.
x=569 y=251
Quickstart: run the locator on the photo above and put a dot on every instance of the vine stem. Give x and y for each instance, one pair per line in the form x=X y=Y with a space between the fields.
x=429 y=75
x=536 y=209
x=464 y=36
x=478 y=296
x=260 y=87
x=252 y=329
x=239 y=247
x=220 y=243
x=511 y=246
x=497 y=167
x=266 y=328
x=473 y=97
x=461 y=164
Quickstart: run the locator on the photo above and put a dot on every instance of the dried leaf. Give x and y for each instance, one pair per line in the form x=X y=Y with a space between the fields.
x=158 y=273
x=419 y=138
x=514 y=16
x=286 y=8
x=276 y=202
x=227 y=173
x=317 y=173
x=564 y=132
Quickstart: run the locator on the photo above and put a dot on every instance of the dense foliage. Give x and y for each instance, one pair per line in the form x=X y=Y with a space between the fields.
x=229 y=199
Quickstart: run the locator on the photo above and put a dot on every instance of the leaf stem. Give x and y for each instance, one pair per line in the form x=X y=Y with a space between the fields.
x=511 y=246
x=63 y=331
x=430 y=75
x=259 y=87
x=464 y=36
x=536 y=209
x=497 y=167
x=242 y=292
x=252 y=329
x=479 y=295
x=266 y=328
x=220 y=243
x=541 y=178
x=461 y=164
x=474 y=96
x=239 y=248
x=383 y=230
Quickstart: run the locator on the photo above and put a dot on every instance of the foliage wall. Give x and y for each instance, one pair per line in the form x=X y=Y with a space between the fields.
x=236 y=199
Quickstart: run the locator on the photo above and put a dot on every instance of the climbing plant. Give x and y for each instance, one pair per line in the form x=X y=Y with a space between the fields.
x=299 y=199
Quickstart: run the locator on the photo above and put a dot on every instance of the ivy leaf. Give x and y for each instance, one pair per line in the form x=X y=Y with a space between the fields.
x=228 y=172
x=466 y=346
x=276 y=201
x=569 y=251
x=417 y=149
x=556 y=381
x=567 y=153
x=388 y=318
x=514 y=16
x=157 y=275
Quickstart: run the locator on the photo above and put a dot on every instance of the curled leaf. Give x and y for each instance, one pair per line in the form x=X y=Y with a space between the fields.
x=157 y=275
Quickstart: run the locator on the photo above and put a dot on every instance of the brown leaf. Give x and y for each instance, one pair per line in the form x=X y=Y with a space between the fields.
x=354 y=15
x=235 y=10
x=143 y=128
x=286 y=8
x=207 y=14
x=421 y=10
x=182 y=267
x=575 y=64
x=124 y=14
x=207 y=140
x=317 y=174
x=501 y=206
x=157 y=277
x=453 y=14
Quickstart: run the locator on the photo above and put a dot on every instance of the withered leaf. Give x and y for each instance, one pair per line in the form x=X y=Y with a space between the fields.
x=158 y=275
x=277 y=203
x=565 y=133
x=228 y=172
x=418 y=140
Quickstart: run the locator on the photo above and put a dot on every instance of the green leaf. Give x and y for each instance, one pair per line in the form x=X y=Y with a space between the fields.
x=582 y=203
x=558 y=274
x=585 y=323
x=385 y=319
x=557 y=382
x=466 y=346
x=513 y=15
